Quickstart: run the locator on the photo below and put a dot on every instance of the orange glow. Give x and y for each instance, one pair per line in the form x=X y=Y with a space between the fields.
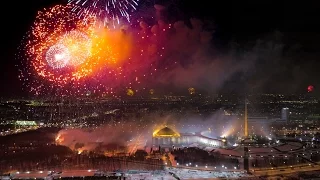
x=192 y=90
x=151 y=91
x=130 y=92
x=80 y=151
x=59 y=139
x=120 y=43
x=110 y=48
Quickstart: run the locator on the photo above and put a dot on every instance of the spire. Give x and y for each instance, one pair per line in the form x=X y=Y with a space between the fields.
x=245 y=118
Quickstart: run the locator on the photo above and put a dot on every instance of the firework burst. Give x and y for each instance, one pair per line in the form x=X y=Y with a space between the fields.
x=78 y=44
x=58 y=56
x=64 y=55
x=55 y=49
x=107 y=11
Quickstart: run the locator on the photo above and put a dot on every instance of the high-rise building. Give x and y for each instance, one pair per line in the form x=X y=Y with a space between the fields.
x=285 y=114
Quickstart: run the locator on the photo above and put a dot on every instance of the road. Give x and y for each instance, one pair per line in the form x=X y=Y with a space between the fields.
x=285 y=170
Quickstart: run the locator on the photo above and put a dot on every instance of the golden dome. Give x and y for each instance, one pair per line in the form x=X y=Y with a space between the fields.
x=165 y=132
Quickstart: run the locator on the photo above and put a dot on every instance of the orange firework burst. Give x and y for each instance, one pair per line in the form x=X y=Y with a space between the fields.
x=62 y=50
x=65 y=55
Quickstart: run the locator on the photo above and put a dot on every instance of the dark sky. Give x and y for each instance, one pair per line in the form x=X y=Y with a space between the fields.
x=238 y=24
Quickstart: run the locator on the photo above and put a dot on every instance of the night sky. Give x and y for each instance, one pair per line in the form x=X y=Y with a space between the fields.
x=283 y=36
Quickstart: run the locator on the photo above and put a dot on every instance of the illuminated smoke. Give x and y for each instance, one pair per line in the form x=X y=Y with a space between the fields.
x=137 y=133
x=89 y=139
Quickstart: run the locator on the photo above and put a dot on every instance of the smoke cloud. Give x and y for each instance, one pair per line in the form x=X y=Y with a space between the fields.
x=127 y=135
x=269 y=63
x=188 y=57
x=277 y=67
x=136 y=134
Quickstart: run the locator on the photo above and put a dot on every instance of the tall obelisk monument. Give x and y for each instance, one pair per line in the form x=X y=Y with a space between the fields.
x=245 y=119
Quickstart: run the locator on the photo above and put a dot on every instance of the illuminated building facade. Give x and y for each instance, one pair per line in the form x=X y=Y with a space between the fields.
x=167 y=137
x=25 y=123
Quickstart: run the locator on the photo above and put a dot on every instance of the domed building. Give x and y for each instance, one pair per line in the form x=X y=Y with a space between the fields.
x=166 y=137
x=166 y=132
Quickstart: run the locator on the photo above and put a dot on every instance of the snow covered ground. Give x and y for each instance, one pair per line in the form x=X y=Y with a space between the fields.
x=170 y=173
x=181 y=173
x=197 y=174
x=156 y=175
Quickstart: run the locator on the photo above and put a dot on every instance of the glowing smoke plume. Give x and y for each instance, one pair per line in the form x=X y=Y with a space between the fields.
x=137 y=133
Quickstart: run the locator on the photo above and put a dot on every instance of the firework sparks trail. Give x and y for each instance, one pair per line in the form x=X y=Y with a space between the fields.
x=107 y=11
